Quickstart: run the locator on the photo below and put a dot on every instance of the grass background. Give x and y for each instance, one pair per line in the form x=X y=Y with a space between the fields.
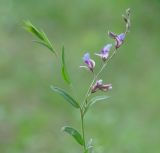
x=31 y=115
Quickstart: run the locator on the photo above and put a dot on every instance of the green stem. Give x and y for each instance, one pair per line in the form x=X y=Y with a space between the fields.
x=105 y=64
x=82 y=126
x=88 y=94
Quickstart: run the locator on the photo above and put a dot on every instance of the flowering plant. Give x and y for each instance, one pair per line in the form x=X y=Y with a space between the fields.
x=95 y=85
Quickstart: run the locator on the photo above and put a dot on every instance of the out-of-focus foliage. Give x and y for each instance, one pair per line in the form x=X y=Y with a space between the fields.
x=64 y=68
x=31 y=114
x=39 y=34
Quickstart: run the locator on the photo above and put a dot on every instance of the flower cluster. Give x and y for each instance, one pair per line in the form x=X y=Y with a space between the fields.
x=104 y=55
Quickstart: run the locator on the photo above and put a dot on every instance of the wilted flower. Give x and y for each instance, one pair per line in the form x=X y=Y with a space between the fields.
x=100 y=86
x=89 y=62
x=119 y=38
x=96 y=86
x=105 y=52
x=106 y=87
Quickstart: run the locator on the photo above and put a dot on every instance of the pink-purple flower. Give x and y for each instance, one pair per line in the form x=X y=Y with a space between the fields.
x=105 y=52
x=100 y=86
x=88 y=61
x=118 y=38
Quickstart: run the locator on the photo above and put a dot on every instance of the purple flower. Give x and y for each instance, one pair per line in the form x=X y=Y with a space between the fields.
x=105 y=52
x=89 y=62
x=119 y=38
x=100 y=86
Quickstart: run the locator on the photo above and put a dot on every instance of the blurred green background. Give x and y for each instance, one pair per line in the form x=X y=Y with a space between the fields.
x=31 y=115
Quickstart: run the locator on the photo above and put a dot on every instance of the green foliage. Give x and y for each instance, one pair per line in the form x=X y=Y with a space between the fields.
x=71 y=131
x=66 y=96
x=64 y=69
x=39 y=34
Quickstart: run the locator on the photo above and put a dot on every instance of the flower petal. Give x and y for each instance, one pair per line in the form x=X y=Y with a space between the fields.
x=106 y=48
x=119 y=40
x=100 y=55
x=121 y=36
x=93 y=63
x=86 y=57
x=89 y=62
x=112 y=35
x=106 y=87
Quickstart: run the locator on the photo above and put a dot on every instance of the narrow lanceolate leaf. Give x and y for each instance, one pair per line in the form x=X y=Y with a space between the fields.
x=64 y=69
x=94 y=100
x=32 y=29
x=74 y=133
x=66 y=96
x=39 y=34
x=43 y=44
x=97 y=99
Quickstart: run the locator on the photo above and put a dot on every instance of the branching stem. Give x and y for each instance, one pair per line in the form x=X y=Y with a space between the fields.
x=88 y=93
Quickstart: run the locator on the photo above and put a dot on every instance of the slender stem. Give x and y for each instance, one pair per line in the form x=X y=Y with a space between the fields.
x=95 y=76
x=82 y=124
x=105 y=64
x=88 y=91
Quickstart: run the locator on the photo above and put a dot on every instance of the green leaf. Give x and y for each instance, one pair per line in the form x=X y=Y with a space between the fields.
x=94 y=100
x=39 y=34
x=64 y=69
x=66 y=96
x=71 y=131
x=31 y=28
x=97 y=99
x=47 y=41
x=43 y=44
